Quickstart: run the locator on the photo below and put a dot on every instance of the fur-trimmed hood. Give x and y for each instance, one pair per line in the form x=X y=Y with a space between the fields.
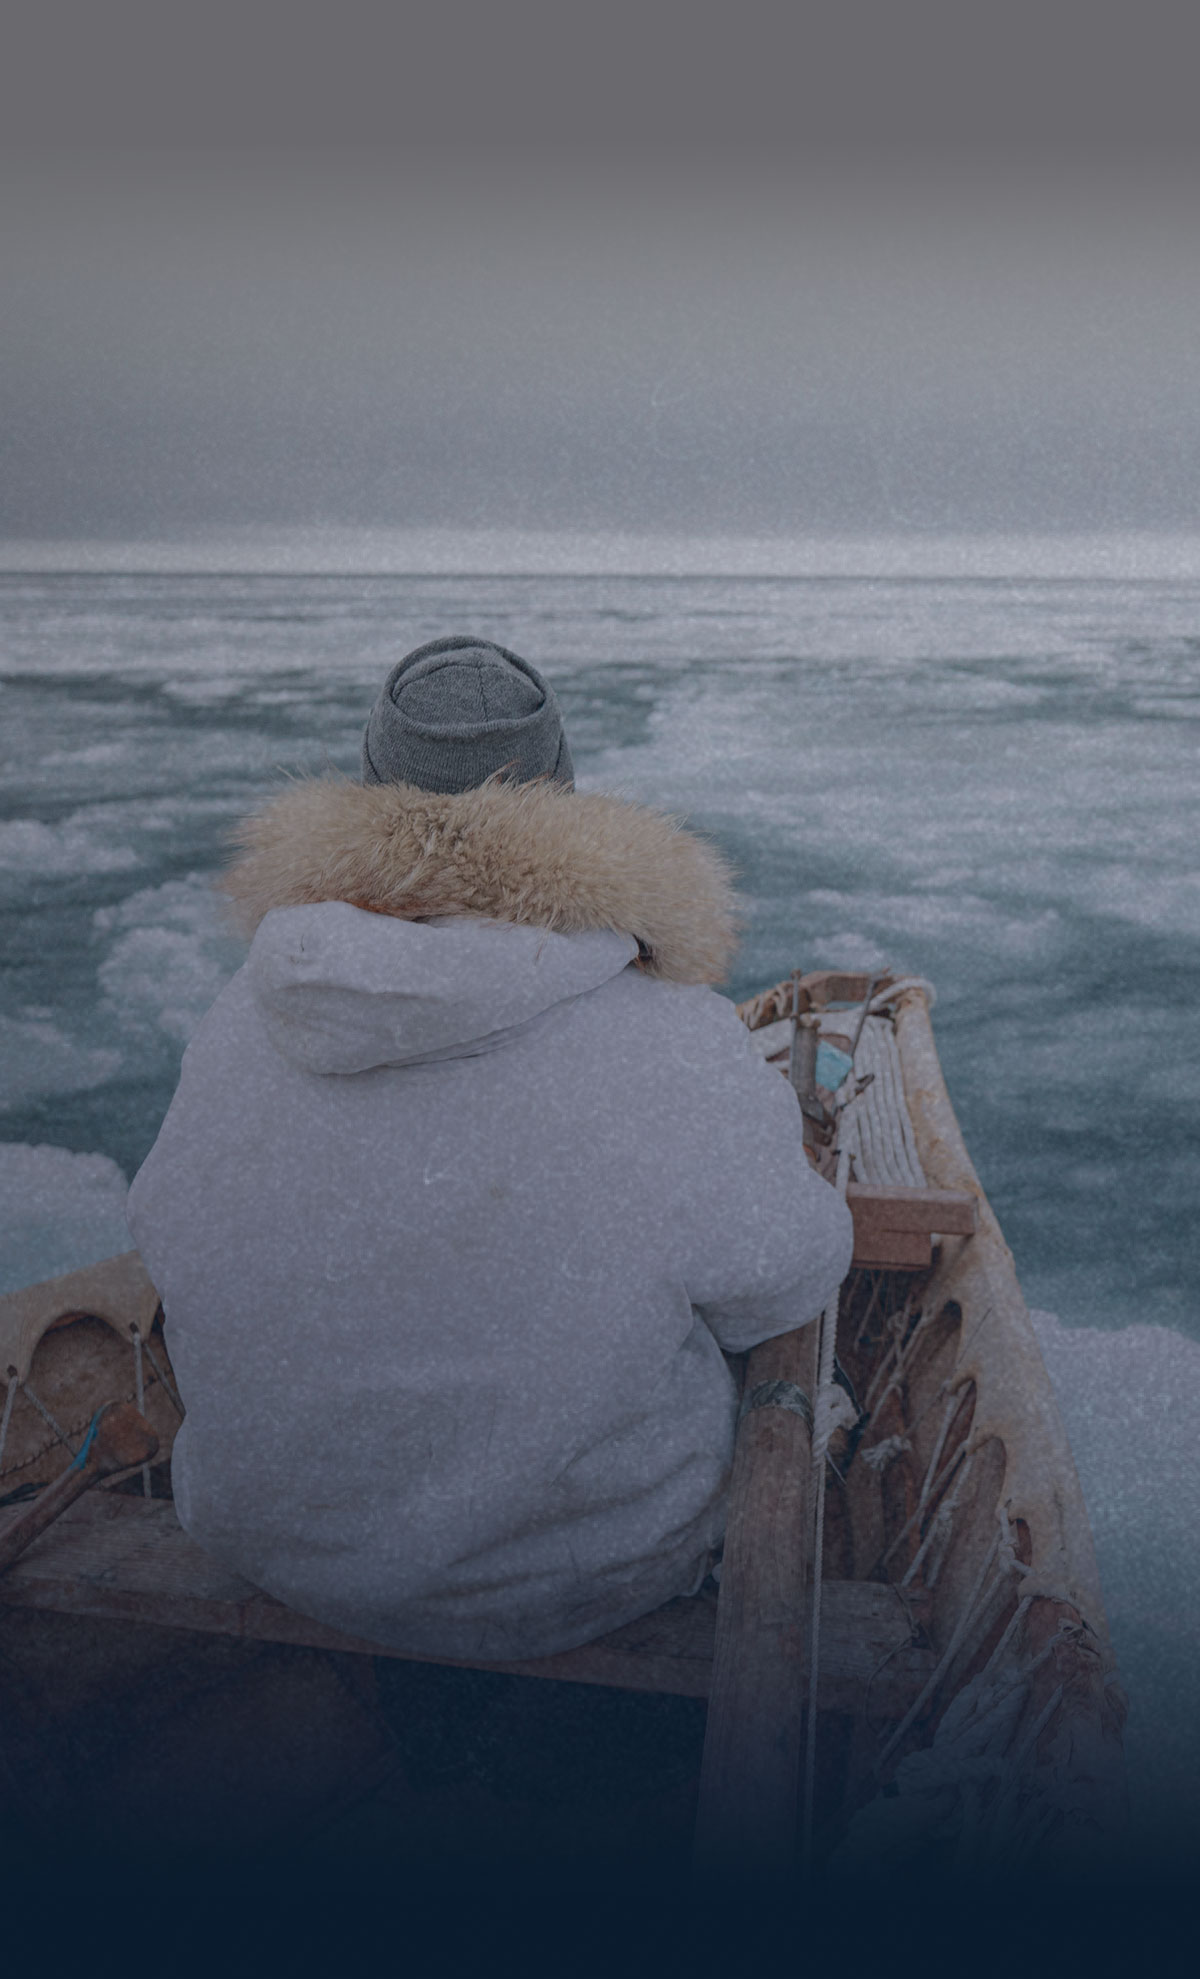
x=532 y=854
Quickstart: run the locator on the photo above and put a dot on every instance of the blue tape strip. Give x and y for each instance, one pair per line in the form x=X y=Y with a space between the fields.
x=78 y=1463
x=832 y=1066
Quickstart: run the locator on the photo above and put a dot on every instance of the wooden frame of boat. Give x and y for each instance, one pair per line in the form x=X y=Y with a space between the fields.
x=964 y=1685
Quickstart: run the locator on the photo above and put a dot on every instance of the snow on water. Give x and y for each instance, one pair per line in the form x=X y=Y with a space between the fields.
x=992 y=784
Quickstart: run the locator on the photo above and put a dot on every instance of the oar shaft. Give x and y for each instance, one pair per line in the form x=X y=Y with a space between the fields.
x=747 y=1821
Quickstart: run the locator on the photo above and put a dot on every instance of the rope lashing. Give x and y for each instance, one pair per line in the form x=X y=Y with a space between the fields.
x=46 y=1416
x=878 y=1279
x=997 y=1656
x=940 y=1526
x=951 y=1410
x=869 y=1409
x=976 y=1602
x=1009 y=1791
x=863 y=1014
x=163 y=1377
x=779 y=1395
x=878 y=1455
x=957 y=1456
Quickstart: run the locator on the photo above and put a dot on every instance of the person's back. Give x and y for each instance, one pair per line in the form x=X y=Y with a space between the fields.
x=467 y=1183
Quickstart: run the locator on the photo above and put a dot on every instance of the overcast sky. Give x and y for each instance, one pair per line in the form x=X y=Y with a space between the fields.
x=873 y=269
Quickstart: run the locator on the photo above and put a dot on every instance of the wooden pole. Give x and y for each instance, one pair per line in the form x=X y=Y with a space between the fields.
x=802 y=1072
x=748 y=1818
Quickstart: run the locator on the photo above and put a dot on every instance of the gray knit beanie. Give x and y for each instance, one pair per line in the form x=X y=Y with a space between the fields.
x=453 y=712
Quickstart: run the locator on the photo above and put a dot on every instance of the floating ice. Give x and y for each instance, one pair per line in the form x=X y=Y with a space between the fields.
x=28 y=846
x=58 y=1212
x=172 y=957
x=37 y=1058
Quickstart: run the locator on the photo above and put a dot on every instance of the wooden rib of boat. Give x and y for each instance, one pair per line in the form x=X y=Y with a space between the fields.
x=965 y=1694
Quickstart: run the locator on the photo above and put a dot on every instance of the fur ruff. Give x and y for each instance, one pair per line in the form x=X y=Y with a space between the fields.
x=532 y=853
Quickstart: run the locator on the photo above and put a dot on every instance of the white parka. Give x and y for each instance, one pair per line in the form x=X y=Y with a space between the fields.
x=455 y=1209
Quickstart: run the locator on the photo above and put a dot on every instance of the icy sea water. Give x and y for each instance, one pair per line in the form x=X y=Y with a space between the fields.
x=992 y=783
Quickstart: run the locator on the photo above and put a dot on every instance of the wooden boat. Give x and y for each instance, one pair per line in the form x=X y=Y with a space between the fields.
x=908 y=1654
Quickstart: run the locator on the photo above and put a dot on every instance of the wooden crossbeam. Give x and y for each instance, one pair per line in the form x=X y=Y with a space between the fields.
x=894 y=1227
x=128 y=1560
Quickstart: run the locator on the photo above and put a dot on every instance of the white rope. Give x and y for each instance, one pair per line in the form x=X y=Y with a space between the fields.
x=1016 y=1768
x=875 y=1124
x=879 y=1455
x=1019 y=1613
x=164 y=1378
x=894 y=990
x=952 y=1407
x=46 y=1416
x=998 y=1693
x=878 y=1376
x=940 y=1527
x=141 y=1398
x=983 y=1695
x=947 y=1471
x=976 y=1602
x=903 y=1351
x=941 y=1532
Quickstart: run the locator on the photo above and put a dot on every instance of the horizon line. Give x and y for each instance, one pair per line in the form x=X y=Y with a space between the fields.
x=1127 y=555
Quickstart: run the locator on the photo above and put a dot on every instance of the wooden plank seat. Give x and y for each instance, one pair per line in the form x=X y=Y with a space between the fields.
x=128 y=1559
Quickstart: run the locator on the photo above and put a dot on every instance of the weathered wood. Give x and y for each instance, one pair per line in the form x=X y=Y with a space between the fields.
x=894 y=1227
x=119 y=1440
x=949 y=1212
x=127 y=1559
x=749 y=1786
x=893 y=1250
x=814 y=991
x=1016 y=1414
x=802 y=1074
x=802 y=1059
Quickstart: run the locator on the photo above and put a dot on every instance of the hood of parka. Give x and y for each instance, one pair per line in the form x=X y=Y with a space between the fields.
x=396 y=926
x=340 y=990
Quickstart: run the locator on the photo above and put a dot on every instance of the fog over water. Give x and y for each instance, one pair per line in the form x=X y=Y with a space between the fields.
x=991 y=782
x=697 y=344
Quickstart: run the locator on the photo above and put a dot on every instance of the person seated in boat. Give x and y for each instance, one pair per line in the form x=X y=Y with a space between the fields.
x=469 y=1185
